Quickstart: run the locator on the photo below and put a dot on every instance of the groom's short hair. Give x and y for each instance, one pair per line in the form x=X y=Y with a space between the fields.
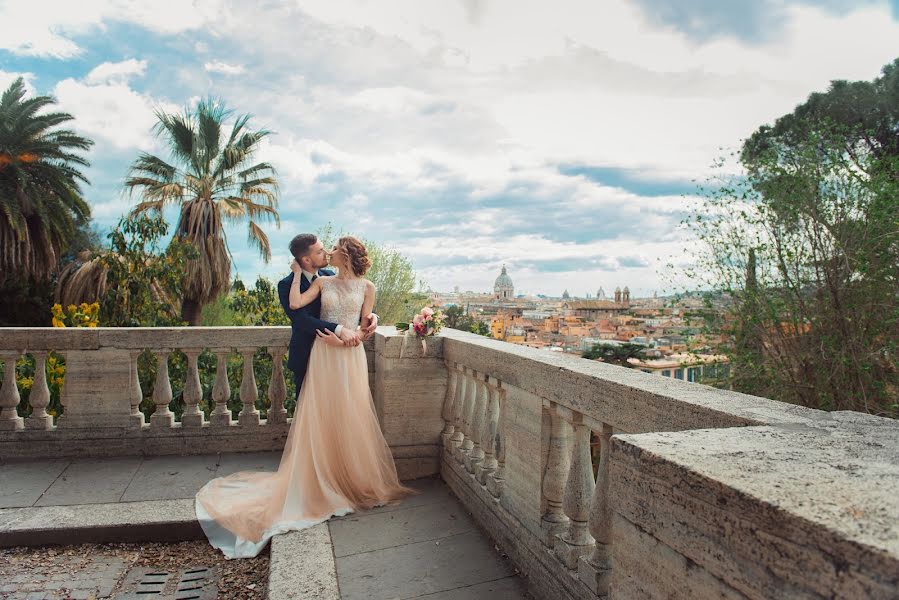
x=299 y=245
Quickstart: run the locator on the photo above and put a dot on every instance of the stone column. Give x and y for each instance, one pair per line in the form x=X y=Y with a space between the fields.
x=249 y=414
x=98 y=389
x=162 y=392
x=488 y=437
x=479 y=416
x=277 y=389
x=496 y=481
x=221 y=390
x=9 y=393
x=448 y=405
x=468 y=416
x=40 y=395
x=595 y=570
x=456 y=439
x=135 y=394
x=577 y=541
x=558 y=461
x=193 y=391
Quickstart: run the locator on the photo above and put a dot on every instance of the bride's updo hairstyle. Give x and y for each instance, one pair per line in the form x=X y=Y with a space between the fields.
x=356 y=253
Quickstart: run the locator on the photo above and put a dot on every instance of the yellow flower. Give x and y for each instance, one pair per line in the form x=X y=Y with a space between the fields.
x=56 y=309
x=92 y=324
x=84 y=307
x=57 y=323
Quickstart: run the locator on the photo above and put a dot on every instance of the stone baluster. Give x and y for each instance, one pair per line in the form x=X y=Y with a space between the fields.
x=595 y=570
x=448 y=404
x=479 y=415
x=249 y=414
x=40 y=395
x=577 y=542
x=470 y=402
x=496 y=481
x=193 y=392
x=221 y=390
x=162 y=392
x=9 y=393
x=558 y=461
x=277 y=389
x=456 y=439
x=135 y=394
x=488 y=432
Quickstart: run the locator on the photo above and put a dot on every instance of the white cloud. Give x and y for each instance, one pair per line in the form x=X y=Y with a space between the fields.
x=474 y=104
x=118 y=72
x=224 y=68
x=111 y=113
x=48 y=29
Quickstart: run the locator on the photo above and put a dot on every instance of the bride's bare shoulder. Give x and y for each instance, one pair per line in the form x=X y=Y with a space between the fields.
x=369 y=285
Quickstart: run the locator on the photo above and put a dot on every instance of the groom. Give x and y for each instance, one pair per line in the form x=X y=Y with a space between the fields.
x=309 y=253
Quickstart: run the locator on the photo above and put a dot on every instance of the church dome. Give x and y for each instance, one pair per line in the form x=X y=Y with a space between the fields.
x=503 y=281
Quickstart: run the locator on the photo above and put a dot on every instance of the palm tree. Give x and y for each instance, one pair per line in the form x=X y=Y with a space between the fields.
x=40 y=195
x=212 y=181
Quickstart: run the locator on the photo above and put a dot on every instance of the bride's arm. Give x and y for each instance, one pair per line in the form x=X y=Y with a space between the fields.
x=368 y=304
x=300 y=299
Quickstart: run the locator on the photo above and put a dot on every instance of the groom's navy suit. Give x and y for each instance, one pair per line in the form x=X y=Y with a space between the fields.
x=304 y=322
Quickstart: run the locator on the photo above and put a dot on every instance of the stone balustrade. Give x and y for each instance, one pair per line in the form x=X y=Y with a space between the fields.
x=102 y=393
x=695 y=493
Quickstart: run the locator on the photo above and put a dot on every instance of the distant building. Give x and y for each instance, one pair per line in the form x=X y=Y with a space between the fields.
x=503 y=288
x=700 y=368
x=593 y=310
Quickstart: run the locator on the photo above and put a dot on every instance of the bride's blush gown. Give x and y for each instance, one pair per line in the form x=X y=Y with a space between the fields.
x=335 y=461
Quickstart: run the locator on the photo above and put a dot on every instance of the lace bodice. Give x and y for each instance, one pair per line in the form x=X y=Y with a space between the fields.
x=342 y=300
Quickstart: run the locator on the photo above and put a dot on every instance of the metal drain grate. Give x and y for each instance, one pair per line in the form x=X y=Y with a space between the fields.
x=195 y=583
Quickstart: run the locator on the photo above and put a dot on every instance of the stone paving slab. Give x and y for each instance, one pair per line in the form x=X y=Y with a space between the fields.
x=431 y=490
x=91 y=481
x=422 y=568
x=23 y=482
x=247 y=461
x=170 y=477
x=302 y=566
x=368 y=532
x=154 y=520
x=507 y=588
x=63 y=577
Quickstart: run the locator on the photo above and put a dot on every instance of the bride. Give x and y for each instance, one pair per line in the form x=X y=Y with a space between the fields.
x=336 y=459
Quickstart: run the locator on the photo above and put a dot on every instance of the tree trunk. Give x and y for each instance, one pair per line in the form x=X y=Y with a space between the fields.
x=192 y=312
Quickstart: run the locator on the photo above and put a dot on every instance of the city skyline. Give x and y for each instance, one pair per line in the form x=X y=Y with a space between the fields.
x=562 y=140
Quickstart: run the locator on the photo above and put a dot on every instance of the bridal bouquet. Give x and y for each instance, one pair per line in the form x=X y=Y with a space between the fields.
x=427 y=323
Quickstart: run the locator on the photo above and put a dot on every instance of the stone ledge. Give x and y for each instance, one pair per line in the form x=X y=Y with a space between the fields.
x=302 y=566
x=148 y=521
x=786 y=509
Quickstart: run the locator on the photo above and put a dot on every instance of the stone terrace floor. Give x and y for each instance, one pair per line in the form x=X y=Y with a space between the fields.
x=426 y=547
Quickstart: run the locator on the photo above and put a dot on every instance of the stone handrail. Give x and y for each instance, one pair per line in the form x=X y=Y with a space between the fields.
x=101 y=393
x=697 y=492
x=656 y=519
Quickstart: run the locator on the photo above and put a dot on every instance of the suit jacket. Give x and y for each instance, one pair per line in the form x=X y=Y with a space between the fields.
x=304 y=322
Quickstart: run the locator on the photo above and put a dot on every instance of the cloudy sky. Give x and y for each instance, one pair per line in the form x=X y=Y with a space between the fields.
x=560 y=138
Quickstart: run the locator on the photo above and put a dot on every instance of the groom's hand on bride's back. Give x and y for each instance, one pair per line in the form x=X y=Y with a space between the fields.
x=369 y=325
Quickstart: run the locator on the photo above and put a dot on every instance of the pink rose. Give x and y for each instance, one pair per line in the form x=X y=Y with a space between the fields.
x=417 y=320
x=427 y=312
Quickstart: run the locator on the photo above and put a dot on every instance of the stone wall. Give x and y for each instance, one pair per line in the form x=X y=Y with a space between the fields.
x=703 y=494
x=699 y=493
